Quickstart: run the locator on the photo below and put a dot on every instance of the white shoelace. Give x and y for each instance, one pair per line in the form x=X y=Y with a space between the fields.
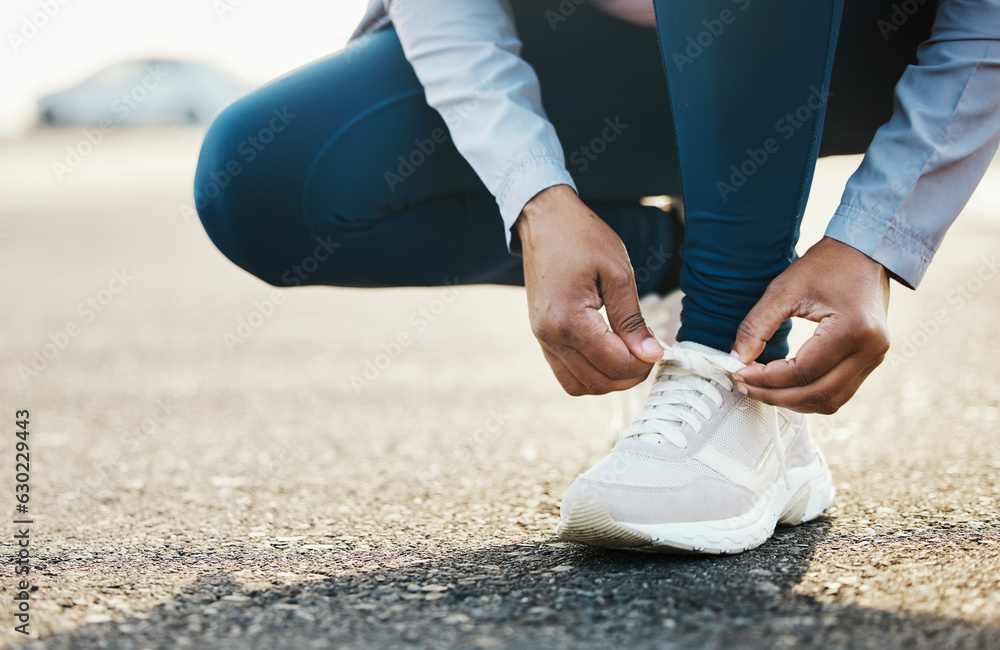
x=663 y=316
x=685 y=389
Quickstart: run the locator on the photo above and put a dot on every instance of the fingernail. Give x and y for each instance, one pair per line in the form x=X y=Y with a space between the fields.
x=734 y=354
x=651 y=347
x=743 y=389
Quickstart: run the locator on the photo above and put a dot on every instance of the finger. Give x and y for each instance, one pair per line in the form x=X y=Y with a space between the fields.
x=836 y=338
x=564 y=376
x=831 y=343
x=621 y=302
x=600 y=347
x=582 y=378
x=773 y=309
x=824 y=396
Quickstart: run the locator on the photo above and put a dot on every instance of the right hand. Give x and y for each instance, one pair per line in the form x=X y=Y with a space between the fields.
x=574 y=264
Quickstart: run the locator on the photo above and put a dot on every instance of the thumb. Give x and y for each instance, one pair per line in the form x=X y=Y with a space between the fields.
x=760 y=325
x=621 y=302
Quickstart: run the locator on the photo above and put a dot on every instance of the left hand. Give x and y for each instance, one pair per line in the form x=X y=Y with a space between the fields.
x=847 y=293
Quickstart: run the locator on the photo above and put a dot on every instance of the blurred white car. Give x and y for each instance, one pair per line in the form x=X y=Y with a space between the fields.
x=144 y=92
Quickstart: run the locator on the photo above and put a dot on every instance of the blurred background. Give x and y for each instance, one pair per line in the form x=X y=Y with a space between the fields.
x=52 y=46
x=184 y=409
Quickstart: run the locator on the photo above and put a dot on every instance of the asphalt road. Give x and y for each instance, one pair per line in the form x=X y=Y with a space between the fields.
x=205 y=472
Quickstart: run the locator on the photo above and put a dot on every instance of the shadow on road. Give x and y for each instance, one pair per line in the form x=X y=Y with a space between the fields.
x=550 y=594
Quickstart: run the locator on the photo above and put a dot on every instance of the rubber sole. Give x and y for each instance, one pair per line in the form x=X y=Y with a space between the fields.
x=590 y=521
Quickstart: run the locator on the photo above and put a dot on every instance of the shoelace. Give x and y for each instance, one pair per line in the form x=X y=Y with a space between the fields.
x=662 y=314
x=685 y=388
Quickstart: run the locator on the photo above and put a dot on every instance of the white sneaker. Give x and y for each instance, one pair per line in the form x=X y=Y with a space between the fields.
x=701 y=468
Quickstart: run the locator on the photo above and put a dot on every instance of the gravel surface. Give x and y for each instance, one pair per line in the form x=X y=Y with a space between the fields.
x=200 y=483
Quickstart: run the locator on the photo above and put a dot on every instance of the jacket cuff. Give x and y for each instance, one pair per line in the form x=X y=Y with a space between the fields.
x=906 y=257
x=526 y=180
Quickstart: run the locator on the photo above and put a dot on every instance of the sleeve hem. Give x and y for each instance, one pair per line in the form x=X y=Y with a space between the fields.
x=526 y=180
x=899 y=252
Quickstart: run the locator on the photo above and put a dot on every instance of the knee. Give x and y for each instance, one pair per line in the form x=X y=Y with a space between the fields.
x=247 y=206
x=214 y=179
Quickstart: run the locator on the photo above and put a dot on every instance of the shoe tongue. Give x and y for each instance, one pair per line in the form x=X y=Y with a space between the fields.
x=704 y=350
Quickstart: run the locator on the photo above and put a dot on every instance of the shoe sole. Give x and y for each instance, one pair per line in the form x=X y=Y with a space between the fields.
x=590 y=521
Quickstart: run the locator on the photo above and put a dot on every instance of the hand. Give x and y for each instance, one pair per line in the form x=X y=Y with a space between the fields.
x=847 y=293
x=573 y=264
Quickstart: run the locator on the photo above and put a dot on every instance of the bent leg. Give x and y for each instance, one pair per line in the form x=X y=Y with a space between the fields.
x=338 y=179
x=748 y=84
x=340 y=174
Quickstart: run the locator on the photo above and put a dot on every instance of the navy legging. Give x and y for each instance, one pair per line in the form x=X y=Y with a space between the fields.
x=340 y=174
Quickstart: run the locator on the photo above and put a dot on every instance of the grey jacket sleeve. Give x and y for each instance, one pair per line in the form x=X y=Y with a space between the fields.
x=924 y=164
